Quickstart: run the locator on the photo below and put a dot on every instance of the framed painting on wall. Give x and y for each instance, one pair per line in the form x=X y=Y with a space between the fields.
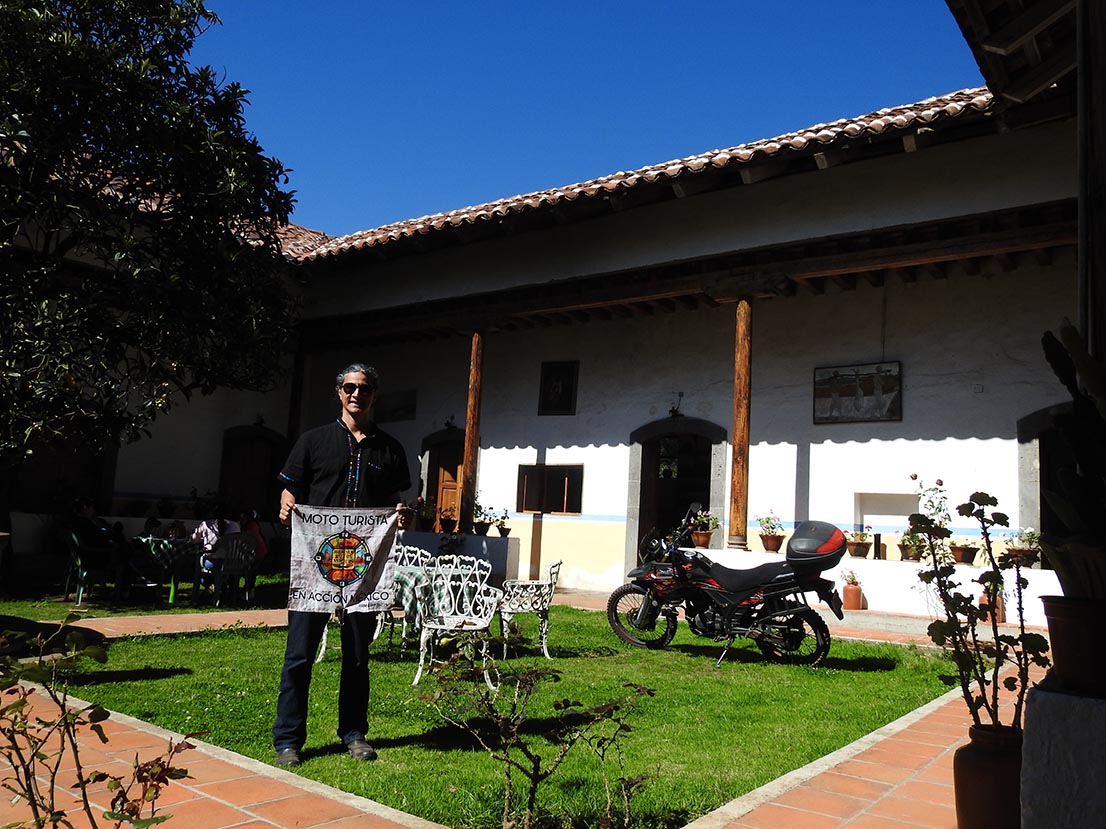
x=859 y=393
x=557 y=395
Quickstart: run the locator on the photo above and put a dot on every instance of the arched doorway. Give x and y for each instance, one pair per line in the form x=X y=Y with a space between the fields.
x=673 y=462
x=443 y=453
x=251 y=461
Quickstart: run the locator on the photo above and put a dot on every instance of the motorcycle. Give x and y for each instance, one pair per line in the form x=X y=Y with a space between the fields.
x=766 y=604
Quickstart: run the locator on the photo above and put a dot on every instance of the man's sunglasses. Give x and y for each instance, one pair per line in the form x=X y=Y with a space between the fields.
x=351 y=388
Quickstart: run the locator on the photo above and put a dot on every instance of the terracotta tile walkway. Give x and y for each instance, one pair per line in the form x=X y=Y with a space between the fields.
x=899 y=777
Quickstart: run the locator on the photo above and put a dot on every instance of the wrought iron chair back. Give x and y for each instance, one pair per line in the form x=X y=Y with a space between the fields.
x=457 y=599
x=410 y=563
x=529 y=596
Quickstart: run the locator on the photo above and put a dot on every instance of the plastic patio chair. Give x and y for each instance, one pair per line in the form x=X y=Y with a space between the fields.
x=82 y=572
x=236 y=553
x=455 y=599
x=529 y=596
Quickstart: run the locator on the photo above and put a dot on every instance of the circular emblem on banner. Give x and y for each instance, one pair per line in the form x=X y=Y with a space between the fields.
x=343 y=558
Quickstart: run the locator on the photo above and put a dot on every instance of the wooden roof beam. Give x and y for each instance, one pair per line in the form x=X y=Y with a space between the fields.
x=1026 y=26
x=1041 y=77
x=762 y=171
x=873 y=278
x=845 y=281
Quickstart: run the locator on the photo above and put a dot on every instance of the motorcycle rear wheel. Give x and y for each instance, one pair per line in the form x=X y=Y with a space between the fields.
x=803 y=634
x=622 y=609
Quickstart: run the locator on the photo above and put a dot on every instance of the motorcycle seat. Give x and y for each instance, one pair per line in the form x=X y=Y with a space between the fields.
x=740 y=581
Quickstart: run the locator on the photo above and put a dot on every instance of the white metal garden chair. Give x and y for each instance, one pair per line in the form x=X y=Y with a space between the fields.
x=529 y=596
x=455 y=600
x=411 y=563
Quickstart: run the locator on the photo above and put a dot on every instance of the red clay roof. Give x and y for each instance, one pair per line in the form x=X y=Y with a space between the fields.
x=297 y=241
x=891 y=119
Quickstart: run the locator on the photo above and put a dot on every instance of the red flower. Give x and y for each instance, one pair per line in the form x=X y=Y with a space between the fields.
x=940 y=482
x=913 y=476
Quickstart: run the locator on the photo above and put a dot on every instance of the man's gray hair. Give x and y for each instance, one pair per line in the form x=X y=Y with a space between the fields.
x=371 y=376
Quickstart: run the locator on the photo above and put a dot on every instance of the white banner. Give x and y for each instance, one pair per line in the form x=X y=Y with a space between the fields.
x=342 y=558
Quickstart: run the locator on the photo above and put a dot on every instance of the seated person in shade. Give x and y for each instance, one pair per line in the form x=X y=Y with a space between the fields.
x=101 y=546
x=210 y=530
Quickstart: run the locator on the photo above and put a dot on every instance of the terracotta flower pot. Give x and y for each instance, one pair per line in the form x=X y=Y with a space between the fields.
x=910 y=553
x=986 y=774
x=772 y=543
x=999 y=608
x=701 y=538
x=504 y=531
x=481 y=527
x=858 y=548
x=448 y=525
x=963 y=553
x=1074 y=633
x=852 y=597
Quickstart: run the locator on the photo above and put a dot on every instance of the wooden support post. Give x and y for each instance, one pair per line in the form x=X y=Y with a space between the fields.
x=737 y=535
x=1091 y=40
x=472 y=434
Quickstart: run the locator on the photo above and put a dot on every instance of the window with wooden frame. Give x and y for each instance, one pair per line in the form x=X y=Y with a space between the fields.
x=552 y=489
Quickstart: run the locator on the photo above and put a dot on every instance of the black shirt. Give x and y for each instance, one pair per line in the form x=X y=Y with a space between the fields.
x=328 y=468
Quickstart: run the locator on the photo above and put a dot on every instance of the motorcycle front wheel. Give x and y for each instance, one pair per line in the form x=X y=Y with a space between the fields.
x=622 y=610
x=800 y=637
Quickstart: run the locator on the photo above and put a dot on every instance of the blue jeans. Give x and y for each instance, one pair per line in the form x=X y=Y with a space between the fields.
x=305 y=631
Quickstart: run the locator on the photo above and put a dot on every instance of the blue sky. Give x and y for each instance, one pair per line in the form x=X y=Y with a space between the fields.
x=389 y=111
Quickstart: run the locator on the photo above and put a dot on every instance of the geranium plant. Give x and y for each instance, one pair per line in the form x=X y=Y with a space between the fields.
x=498 y=519
x=981 y=657
x=704 y=520
x=861 y=534
x=849 y=577
x=770 y=524
x=1024 y=538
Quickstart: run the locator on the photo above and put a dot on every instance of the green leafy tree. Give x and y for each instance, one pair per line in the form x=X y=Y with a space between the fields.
x=139 y=218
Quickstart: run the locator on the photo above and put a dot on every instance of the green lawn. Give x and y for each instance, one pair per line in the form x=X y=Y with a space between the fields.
x=706 y=737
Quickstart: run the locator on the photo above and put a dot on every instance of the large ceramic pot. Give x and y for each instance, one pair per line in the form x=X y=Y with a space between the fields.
x=852 y=597
x=772 y=543
x=701 y=538
x=1075 y=636
x=858 y=548
x=986 y=774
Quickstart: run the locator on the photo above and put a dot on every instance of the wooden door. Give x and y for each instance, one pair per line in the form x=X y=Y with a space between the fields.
x=445 y=474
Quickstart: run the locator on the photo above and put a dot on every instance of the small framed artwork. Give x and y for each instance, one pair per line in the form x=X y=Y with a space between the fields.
x=557 y=395
x=860 y=393
x=393 y=406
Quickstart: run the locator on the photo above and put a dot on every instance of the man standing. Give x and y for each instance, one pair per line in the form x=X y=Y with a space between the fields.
x=347 y=463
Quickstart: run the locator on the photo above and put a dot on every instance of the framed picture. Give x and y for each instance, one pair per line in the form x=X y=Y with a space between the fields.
x=557 y=395
x=393 y=406
x=860 y=393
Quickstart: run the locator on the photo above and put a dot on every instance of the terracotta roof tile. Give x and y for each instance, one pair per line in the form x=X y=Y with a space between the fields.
x=942 y=107
x=297 y=241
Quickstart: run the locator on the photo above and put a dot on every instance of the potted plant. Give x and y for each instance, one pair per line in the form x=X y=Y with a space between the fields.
x=852 y=596
x=963 y=552
x=703 y=525
x=500 y=523
x=985 y=771
x=910 y=546
x=481 y=520
x=857 y=541
x=771 y=532
x=1023 y=541
x=447 y=518
x=425 y=512
x=1075 y=548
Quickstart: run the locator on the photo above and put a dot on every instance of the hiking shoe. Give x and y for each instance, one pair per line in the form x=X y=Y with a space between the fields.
x=360 y=750
x=288 y=757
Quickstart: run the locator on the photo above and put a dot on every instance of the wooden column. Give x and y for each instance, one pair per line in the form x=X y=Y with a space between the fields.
x=737 y=534
x=472 y=434
x=1091 y=68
